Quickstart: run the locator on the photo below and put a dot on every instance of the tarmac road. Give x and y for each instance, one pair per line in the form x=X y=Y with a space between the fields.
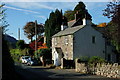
x=41 y=73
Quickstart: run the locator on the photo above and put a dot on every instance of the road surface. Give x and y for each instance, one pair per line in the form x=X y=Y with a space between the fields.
x=41 y=73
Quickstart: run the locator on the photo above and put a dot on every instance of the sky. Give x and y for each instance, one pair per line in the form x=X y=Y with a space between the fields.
x=19 y=13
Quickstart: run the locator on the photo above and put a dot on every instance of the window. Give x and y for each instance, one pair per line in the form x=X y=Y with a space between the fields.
x=55 y=41
x=93 y=39
x=66 y=40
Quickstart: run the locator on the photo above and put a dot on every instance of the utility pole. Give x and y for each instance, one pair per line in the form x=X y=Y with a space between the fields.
x=35 y=35
x=18 y=33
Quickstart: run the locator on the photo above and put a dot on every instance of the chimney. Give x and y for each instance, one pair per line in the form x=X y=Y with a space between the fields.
x=87 y=21
x=63 y=26
x=76 y=16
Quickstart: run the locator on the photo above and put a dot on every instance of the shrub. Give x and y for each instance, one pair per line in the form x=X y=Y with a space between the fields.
x=20 y=44
x=45 y=53
x=96 y=59
x=17 y=53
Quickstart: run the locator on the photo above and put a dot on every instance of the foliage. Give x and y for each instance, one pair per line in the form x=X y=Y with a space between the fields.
x=95 y=60
x=40 y=44
x=3 y=22
x=69 y=14
x=29 y=29
x=32 y=44
x=53 y=25
x=17 y=53
x=7 y=61
x=102 y=25
x=46 y=53
x=80 y=8
x=113 y=28
x=20 y=44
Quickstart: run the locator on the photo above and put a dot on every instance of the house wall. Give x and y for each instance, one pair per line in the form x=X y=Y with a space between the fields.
x=109 y=51
x=83 y=45
x=65 y=43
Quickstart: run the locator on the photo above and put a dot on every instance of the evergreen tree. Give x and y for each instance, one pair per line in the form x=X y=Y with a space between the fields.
x=53 y=25
x=80 y=9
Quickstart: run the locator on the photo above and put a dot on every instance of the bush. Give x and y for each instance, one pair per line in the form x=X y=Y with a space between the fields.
x=17 y=53
x=20 y=44
x=96 y=59
x=45 y=53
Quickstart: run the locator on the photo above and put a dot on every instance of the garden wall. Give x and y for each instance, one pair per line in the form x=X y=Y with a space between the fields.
x=104 y=69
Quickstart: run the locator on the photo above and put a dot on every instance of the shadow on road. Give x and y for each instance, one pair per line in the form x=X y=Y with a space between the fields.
x=28 y=73
x=41 y=73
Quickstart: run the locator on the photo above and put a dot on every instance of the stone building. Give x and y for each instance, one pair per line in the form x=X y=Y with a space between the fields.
x=79 y=39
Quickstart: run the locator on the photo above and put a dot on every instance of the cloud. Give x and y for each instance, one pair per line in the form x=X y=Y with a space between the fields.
x=21 y=9
x=54 y=0
x=31 y=5
x=43 y=17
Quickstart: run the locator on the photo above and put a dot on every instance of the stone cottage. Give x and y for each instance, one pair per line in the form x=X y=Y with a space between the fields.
x=79 y=39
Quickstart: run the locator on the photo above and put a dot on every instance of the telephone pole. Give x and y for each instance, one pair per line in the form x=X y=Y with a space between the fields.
x=18 y=33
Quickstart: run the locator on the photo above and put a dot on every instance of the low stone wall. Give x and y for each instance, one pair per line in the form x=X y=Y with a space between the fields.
x=105 y=69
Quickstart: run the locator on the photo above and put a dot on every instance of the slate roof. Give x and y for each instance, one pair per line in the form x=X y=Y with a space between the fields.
x=69 y=30
x=70 y=23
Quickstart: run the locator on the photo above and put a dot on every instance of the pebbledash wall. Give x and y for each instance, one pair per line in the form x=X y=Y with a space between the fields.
x=104 y=69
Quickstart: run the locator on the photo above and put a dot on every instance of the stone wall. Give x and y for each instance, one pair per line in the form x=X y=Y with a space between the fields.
x=105 y=69
x=65 y=43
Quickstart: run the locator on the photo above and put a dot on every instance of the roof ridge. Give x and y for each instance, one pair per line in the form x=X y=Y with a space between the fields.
x=71 y=20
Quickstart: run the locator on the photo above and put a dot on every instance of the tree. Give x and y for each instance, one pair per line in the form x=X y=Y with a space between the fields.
x=69 y=14
x=80 y=9
x=20 y=44
x=32 y=44
x=44 y=54
x=29 y=30
x=53 y=25
x=113 y=28
x=8 y=68
x=102 y=25
x=3 y=23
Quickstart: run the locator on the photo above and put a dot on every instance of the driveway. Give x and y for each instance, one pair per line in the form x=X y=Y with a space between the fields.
x=41 y=73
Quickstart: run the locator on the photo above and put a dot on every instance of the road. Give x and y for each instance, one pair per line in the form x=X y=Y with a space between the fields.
x=41 y=73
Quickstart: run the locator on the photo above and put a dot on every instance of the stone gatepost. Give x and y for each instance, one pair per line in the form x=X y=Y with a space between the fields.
x=76 y=65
